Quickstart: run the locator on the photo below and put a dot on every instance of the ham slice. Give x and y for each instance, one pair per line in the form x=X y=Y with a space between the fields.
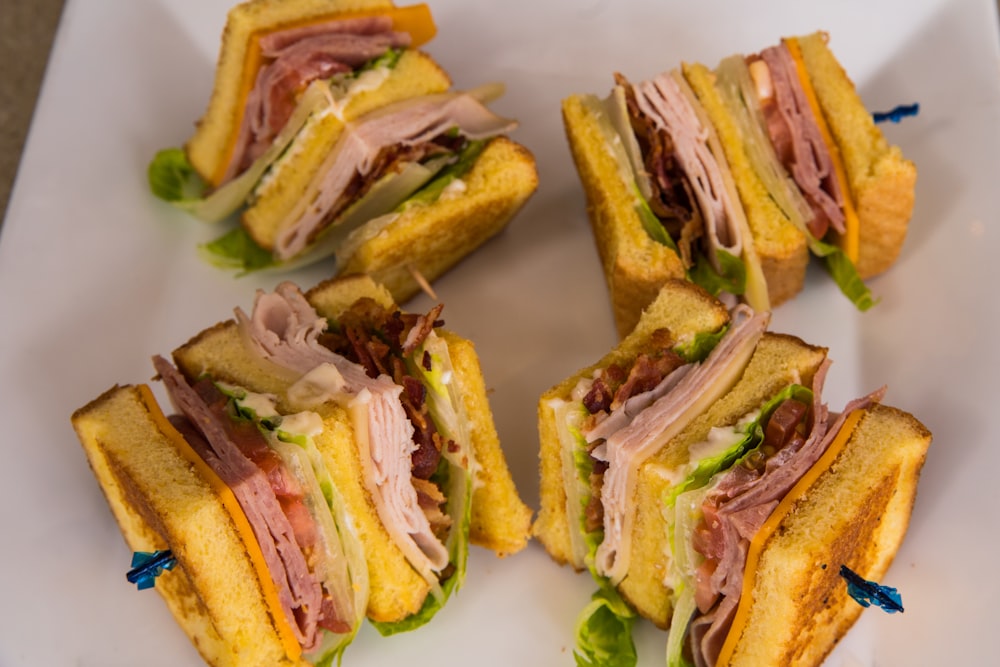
x=628 y=448
x=799 y=144
x=284 y=329
x=299 y=592
x=292 y=59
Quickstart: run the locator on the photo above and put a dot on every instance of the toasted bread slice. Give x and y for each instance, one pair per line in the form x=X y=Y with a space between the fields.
x=682 y=308
x=855 y=514
x=426 y=240
x=281 y=189
x=160 y=501
x=635 y=266
x=209 y=148
x=781 y=247
x=881 y=180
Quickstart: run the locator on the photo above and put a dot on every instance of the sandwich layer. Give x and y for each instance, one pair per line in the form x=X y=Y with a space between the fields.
x=635 y=266
x=209 y=148
x=501 y=521
x=414 y=74
x=778 y=361
x=396 y=589
x=855 y=514
x=160 y=501
x=881 y=180
x=425 y=240
x=781 y=247
x=682 y=309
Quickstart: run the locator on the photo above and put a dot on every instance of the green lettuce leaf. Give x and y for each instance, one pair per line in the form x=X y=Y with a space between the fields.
x=699 y=347
x=844 y=273
x=173 y=179
x=387 y=60
x=731 y=278
x=458 y=464
x=684 y=610
x=604 y=631
x=604 y=627
x=650 y=222
x=708 y=467
x=236 y=250
x=432 y=605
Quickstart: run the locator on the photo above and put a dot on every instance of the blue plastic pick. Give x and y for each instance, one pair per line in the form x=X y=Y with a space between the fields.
x=146 y=567
x=897 y=114
x=867 y=593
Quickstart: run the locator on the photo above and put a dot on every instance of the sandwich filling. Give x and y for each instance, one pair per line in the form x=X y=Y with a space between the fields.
x=717 y=504
x=272 y=467
x=632 y=433
x=785 y=138
x=393 y=374
x=418 y=131
x=614 y=422
x=716 y=514
x=293 y=58
x=173 y=179
x=403 y=153
x=608 y=427
x=668 y=153
x=796 y=137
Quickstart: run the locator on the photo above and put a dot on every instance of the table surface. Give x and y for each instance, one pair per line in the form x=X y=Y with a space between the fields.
x=26 y=33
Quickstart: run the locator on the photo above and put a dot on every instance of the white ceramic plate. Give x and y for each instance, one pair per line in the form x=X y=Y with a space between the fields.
x=96 y=276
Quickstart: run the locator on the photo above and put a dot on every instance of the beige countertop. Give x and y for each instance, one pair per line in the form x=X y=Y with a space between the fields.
x=26 y=33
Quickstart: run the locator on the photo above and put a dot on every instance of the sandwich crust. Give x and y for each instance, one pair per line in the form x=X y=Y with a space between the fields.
x=428 y=239
x=208 y=149
x=635 y=266
x=881 y=180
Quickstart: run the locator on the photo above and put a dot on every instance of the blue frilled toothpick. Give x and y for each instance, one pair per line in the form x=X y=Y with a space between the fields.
x=867 y=593
x=146 y=567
